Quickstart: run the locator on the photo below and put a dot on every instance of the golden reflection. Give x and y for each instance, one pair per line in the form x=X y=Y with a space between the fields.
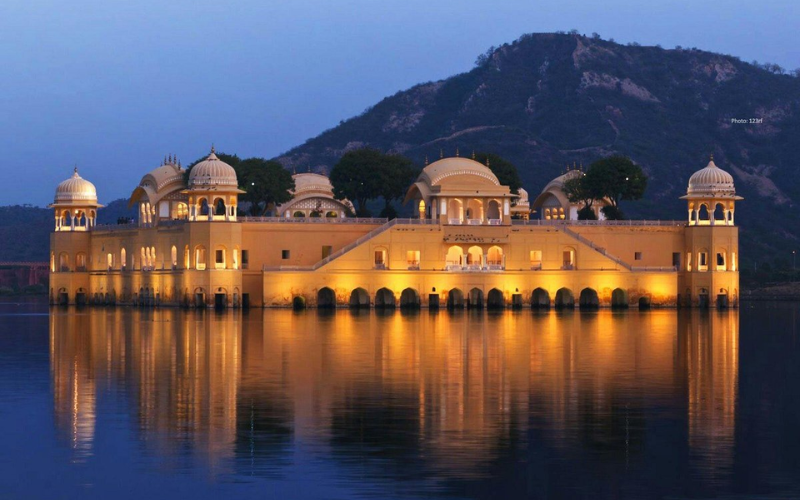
x=456 y=388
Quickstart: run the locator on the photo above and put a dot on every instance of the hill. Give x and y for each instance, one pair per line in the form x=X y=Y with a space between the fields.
x=548 y=100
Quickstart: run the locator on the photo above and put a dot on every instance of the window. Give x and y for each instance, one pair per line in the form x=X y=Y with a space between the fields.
x=412 y=259
x=285 y=254
x=676 y=260
x=326 y=251
x=733 y=261
x=702 y=261
x=110 y=261
x=219 y=257
x=200 y=258
x=720 y=261
x=637 y=255
x=380 y=259
x=536 y=259
x=688 y=261
x=174 y=257
x=80 y=262
x=568 y=259
x=245 y=259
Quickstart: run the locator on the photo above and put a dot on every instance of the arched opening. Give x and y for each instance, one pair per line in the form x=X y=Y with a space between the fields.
x=174 y=255
x=381 y=258
x=421 y=209
x=644 y=302
x=316 y=214
x=702 y=260
x=298 y=302
x=475 y=257
x=619 y=299
x=109 y=261
x=493 y=211
x=200 y=257
x=540 y=299
x=719 y=214
x=219 y=206
x=63 y=262
x=721 y=260
x=702 y=214
x=722 y=299
x=494 y=258
x=80 y=262
x=187 y=264
x=384 y=298
x=199 y=297
x=326 y=298
x=455 y=211
x=298 y=214
x=181 y=211
x=475 y=299
x=589 y=299
x=455 y=257
x=568 y=258
x=359 y=298
x=564 y=299
x=495 y=299
x=455 y=299
x=409 y=299
x=331 y=214
x=202 y=206
x=52 y=262
x=475 y=211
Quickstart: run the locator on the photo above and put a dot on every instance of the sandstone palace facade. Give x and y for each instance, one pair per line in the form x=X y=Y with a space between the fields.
x=472 y=243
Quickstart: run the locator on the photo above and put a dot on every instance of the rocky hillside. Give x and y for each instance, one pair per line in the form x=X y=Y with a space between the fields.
x=548 y=100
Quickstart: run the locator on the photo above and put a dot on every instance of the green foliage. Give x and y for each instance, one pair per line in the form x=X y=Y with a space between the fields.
x=366 y=174
x=505 y=171
x=6 y=290
x=586 y=213
x=265 y=182
x=613 y=213
x=615 y=178
x=579 y=191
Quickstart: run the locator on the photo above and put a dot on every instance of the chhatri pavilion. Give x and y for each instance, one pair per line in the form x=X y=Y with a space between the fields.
x=471 y=243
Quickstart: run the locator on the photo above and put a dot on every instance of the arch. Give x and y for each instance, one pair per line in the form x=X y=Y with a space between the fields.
x=235 y=262
x=568 y=258
x=384 y=298
x=475 y=299
x=182 y=211
x=200 y=257
x=494 y=256
x=540 y=299
x=619 y=298
x=456 y=209
x=455 y=299
x=644 y=302
x=495 y=299
x=52 y=262
x=703 y=215
x=80 y=261
x=220 y=257
x=63 y=262
x=359 y=298
x=475 y=209
x=202 y=206
x=454 y=257
x=298 y=214
x=381 y=256
x=298 y=302
x=174 y=255
x=187 y=258
x=564 y=299
x=722 y=299
x=123 y=259
x=219 y=206
x=719 y=213
x=589 y=299
x=421 y=209
x=475 y=256
x=409 y=299
x=493 y=210
x=331 y=214
x=326 y=298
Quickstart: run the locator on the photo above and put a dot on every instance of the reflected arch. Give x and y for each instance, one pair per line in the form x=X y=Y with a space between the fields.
x=384 y=298
x=475 y=299
x=619 y=299
x=564 y=299
x=359 y=299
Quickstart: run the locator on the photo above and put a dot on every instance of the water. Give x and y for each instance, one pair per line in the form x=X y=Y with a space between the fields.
x=123 y=403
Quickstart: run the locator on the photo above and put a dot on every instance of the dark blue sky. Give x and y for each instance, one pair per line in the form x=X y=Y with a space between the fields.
x=113 y=86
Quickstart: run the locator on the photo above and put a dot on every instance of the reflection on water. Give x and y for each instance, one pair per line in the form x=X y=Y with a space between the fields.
x=553 y=405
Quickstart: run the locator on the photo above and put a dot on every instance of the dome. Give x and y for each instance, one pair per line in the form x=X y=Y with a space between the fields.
x=437 y=171
x=711 y=181
x=212 y=172
x=558 y=182
x=309 y=182
x=76 y=189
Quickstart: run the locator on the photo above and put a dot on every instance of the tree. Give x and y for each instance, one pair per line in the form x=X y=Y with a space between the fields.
x=505 y=171
x=578 y=191
x=397 y=172
x=366 y=174
x=615 y=178
x=265 y=182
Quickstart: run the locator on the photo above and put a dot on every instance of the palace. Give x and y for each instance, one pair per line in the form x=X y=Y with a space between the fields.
x=471 y=243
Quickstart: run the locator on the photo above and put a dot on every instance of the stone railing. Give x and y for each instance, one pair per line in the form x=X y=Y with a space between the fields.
x=541 y=222
x=316 y=220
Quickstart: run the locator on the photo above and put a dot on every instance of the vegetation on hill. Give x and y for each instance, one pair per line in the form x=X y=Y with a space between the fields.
x=549 y=100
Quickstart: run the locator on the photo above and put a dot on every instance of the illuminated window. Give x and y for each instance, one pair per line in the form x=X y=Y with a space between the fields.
x=412 y=259
x=219 y=258
x=123 y=259
x=536 y=259
x=568 y=259
x=688 y=261
x=200 y=257
x=380 y=258
x=110 y=261
x=80 y=262
x=720 y=261
x=174 y=257
x=702 y=261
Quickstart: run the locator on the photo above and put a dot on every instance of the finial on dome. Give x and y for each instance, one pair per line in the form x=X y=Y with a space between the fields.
x=456 y=152
x=75 y=171
x=213 y=151
x=426 y=160
x=441 y=153
x=487 y=161
x=711 y=158
x=473 y=154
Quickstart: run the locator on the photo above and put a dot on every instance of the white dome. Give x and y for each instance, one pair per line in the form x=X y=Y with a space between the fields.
x=76 y=189
x=310 y=182
x=711 y=181
x=212 y=172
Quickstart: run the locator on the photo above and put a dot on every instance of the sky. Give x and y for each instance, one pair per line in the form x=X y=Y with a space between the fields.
x=113 y=86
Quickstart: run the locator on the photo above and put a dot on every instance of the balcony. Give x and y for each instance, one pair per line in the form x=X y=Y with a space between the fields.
x=454 y=222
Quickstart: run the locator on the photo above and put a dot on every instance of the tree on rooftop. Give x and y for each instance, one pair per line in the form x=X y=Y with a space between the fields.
x=265 y=182
x=505 y=171
x=615 y=178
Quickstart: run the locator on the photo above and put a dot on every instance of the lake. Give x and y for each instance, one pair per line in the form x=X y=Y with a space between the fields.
x=129 y=403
